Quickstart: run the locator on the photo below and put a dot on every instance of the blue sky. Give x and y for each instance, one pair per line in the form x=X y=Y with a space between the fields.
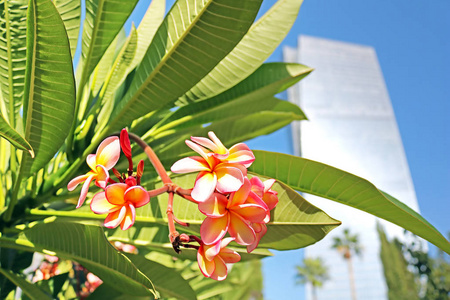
x=411 y=38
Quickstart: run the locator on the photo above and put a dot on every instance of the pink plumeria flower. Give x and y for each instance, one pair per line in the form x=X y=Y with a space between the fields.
x=223 y=170
x=119 y=201
x=239 y=153
x=270 y=198
x=106 y=157
x=212 y=259
x=233 y=215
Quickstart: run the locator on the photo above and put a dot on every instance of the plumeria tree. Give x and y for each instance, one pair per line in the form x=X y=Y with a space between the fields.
x=142 y=145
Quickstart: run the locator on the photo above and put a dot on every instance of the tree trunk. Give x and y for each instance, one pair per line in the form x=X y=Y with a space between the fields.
x=314 y=292
x=351 y=277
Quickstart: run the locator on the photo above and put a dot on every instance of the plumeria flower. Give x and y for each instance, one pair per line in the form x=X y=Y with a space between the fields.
x=239 y=153
x=233 y=215
x=212 y=259
x=106 y=157
x=119 y=201
x=270 y=198
x=222 y=170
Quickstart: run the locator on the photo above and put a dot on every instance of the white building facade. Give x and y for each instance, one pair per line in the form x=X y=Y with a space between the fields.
x=351 y=126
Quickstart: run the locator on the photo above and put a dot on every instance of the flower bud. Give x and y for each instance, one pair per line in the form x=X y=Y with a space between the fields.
x=125 y=143
x=140 y=169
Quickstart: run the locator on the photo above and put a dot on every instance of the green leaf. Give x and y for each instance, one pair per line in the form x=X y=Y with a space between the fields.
x=147 y=29
x=250 y=96
x=104 y=20
x=70 y=11
x=87 y=245
x=106 y=62
x=226 y=113
x=115 y=78
x=247 y=281
x=14 y=137
x=13 y=56
x=49 y=87
x=192 y=32
x=231 y=130
x=337 y=185
x=243 y=278
x=256 y=46
x=28 y=288
x=164 y=278
x=105 y=291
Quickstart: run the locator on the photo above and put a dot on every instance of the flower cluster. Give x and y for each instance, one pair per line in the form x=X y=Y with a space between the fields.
x=118 y=199
x=231 y=202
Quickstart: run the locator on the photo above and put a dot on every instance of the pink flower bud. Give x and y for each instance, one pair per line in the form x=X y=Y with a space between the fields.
x=125 y=143
x=140 y=169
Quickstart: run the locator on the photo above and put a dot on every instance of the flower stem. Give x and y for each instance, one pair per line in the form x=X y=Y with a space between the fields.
x=152 y=157
x=180 y=222
x=159 y=191
x=173 y=233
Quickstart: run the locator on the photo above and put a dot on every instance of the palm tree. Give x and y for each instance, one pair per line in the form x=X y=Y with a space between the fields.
x=314 y=271
x=348 y=245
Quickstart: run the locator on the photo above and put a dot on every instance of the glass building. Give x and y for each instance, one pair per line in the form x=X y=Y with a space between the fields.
x=351 y=126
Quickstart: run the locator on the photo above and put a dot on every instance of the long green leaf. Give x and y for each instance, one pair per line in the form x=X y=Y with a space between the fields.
x=105 y=64
x=193 y=38
x=248 y=281
x=337 y=185
x=104 y=19
x=105 y=291
x=242 y=99
x=147 y=29
x=164 y=278
x=14 y=137
x=12 y=56
x=243 y=281
x=28 y=288
x=227 y=112
x=115 y=78
x=87 y=245
x=256 y=46
x=50 y=87
x=70 y=11
x=231 y=130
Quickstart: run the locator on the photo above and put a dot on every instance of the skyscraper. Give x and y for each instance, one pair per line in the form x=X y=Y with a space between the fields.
x=351 y=126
